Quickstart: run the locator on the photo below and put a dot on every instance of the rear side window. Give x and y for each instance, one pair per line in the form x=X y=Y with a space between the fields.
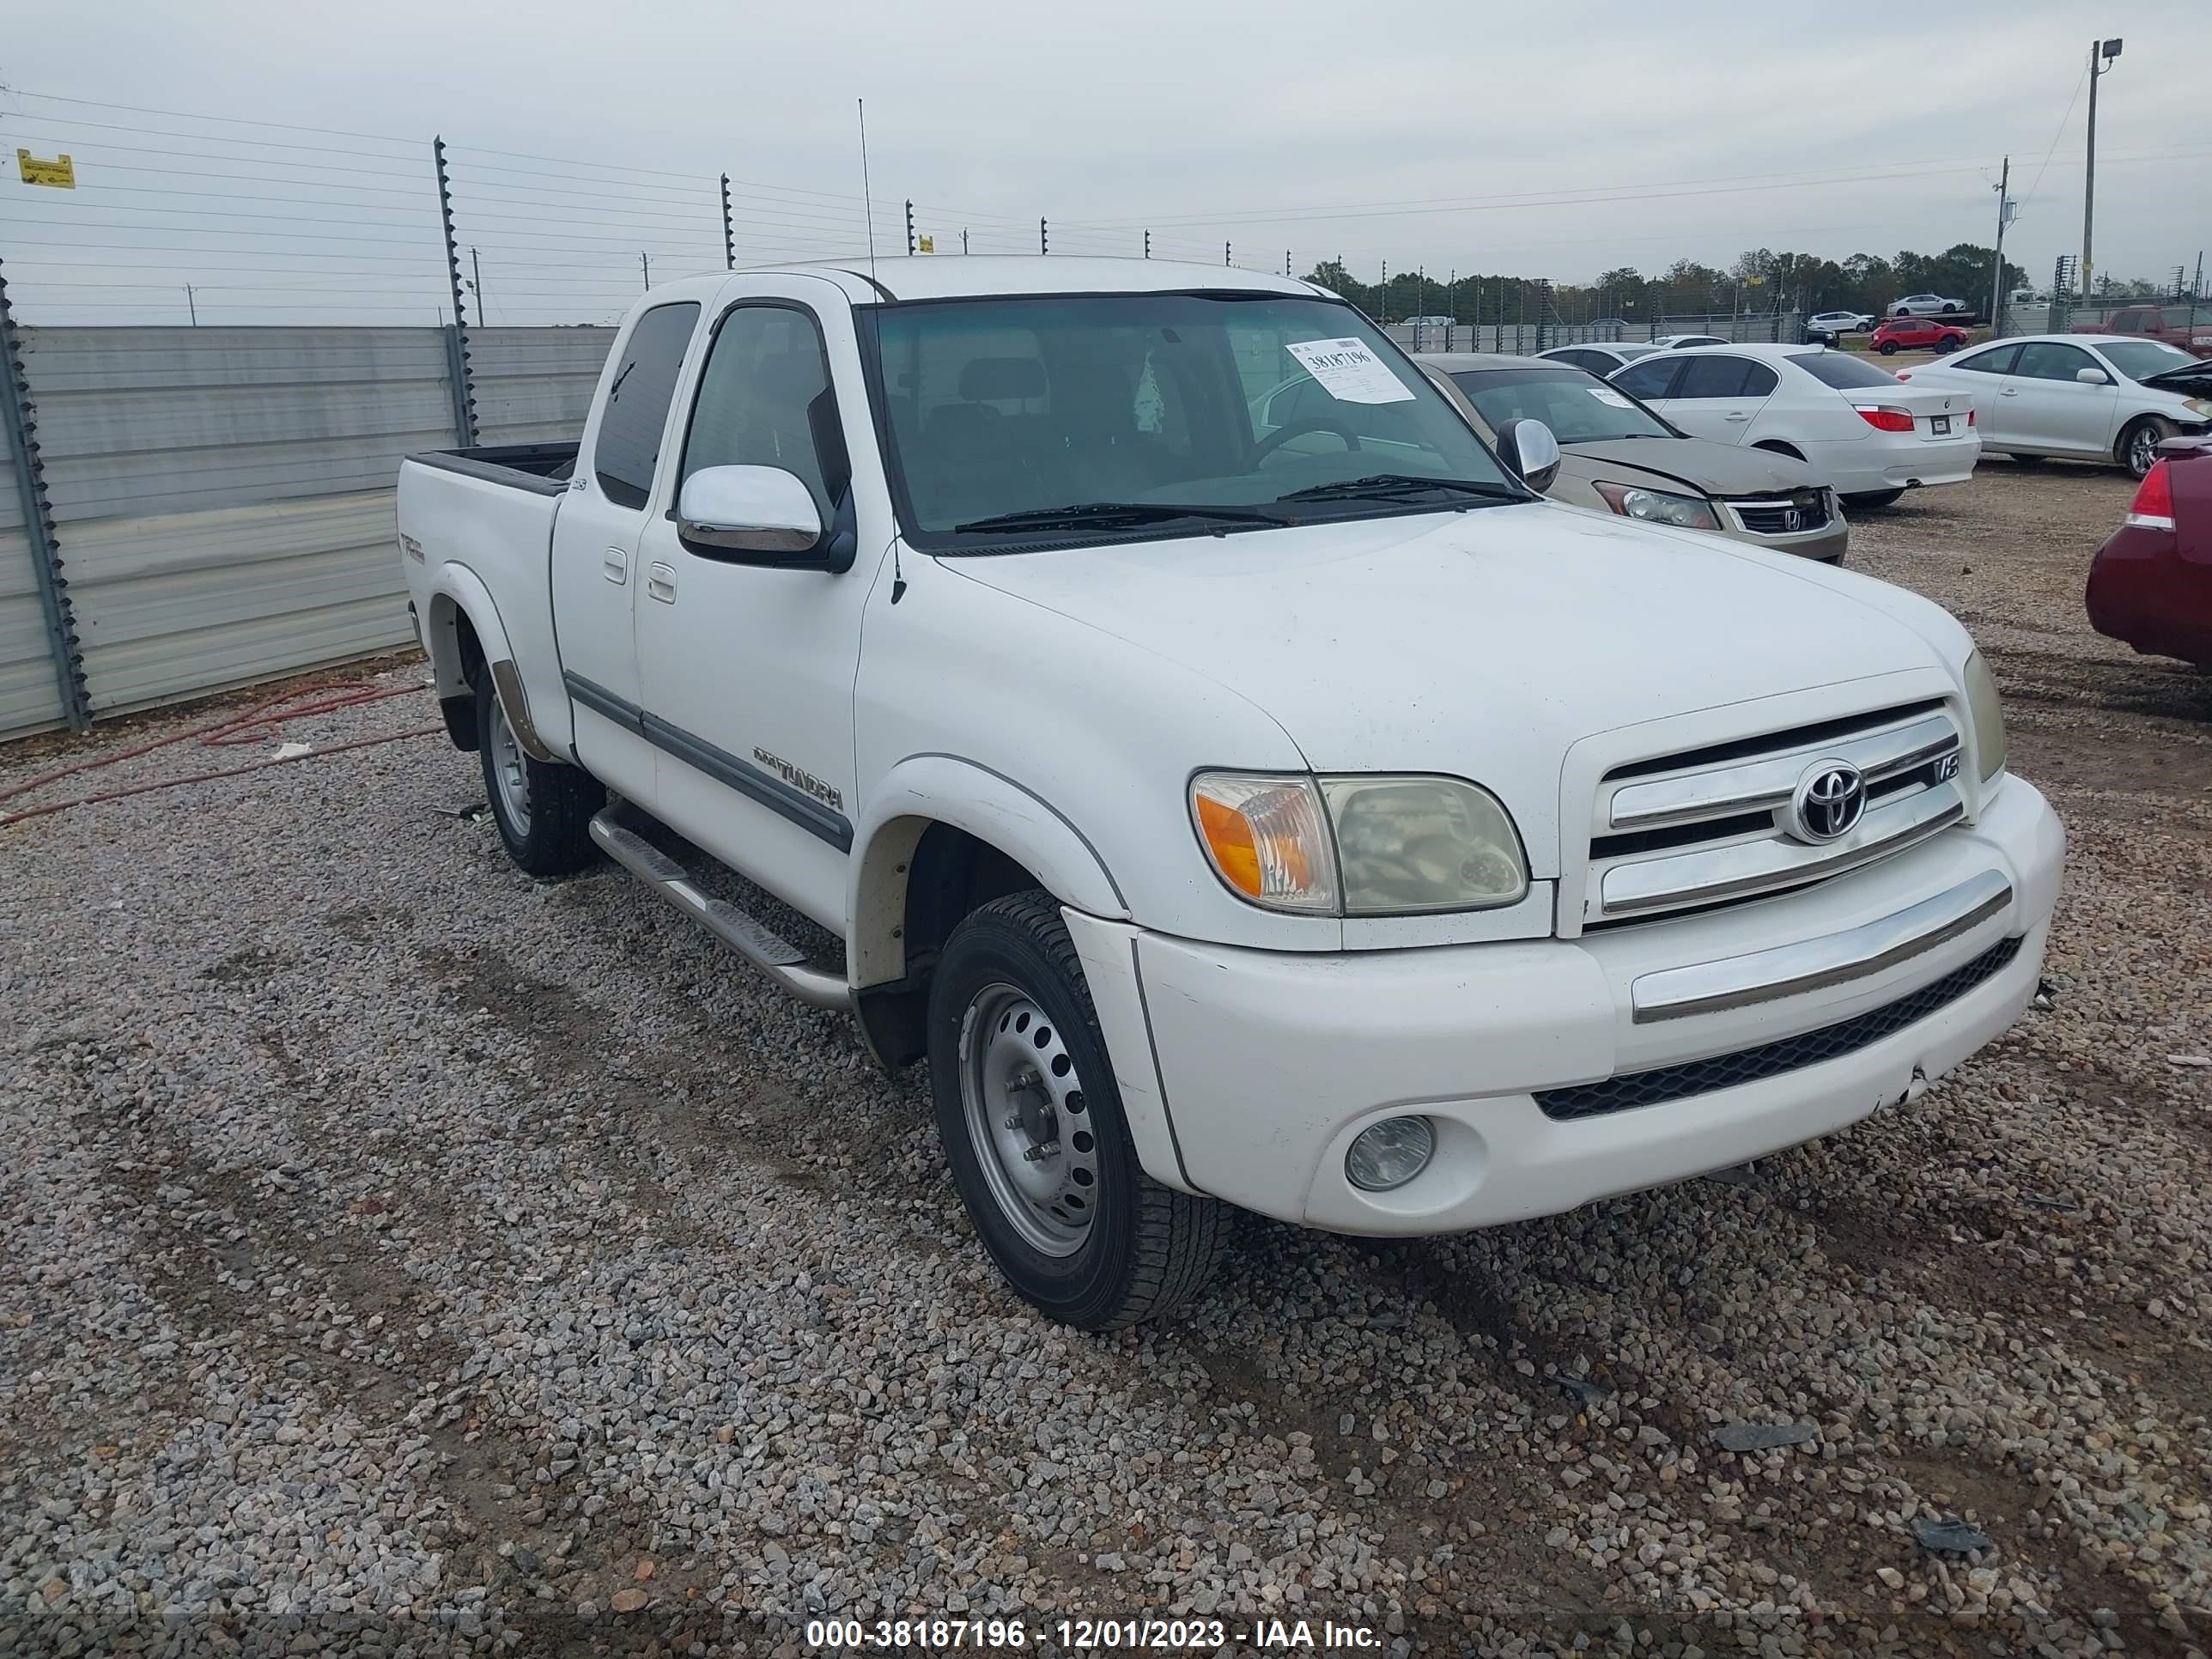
x=1650 y=379
x=1998 y=361
x=1727 y=377
x=636 y=412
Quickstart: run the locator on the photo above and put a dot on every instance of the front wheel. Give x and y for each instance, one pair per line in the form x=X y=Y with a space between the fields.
x=1888 y=348
x=2138 y=446
x=1032 y=1126
x=543 y=809
x=1873 y=498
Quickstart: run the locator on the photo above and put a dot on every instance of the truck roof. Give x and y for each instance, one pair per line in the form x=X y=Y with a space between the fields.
x=955 y=275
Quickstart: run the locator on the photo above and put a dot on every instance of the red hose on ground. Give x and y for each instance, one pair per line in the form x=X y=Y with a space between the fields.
x=262 y=723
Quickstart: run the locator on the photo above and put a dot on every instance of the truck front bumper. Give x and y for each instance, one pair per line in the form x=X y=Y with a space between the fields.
x=1247 y=1074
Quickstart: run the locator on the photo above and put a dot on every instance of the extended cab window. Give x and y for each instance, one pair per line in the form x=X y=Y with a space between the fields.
x=764 y=400
x=636 y=412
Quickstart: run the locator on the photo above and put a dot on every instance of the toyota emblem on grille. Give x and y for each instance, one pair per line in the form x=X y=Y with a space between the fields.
x=1828 y=802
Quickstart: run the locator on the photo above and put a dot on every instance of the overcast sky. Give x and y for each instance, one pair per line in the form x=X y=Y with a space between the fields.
x=1413 y=133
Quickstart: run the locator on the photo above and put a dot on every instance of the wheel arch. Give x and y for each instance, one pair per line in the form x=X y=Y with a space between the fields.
x=466 y=639
x=946 y=835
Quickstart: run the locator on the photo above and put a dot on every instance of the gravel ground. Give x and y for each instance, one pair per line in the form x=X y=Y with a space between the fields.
x=404 y=1256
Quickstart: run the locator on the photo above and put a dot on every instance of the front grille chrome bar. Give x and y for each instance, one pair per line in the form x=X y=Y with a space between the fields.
x=1763 y=785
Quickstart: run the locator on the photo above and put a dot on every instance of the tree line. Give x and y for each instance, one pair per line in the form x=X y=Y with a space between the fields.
x=1760 y=280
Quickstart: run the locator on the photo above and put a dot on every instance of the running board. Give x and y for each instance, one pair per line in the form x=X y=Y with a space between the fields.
x=782 y=960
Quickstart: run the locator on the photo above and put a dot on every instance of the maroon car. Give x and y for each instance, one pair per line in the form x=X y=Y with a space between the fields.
x=2150 y=585
x=1916 y=334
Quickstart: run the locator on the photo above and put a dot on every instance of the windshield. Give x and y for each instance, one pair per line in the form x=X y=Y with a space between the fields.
x=2140 y=358
x=1842 y=371
x=1168 y=413
x=1579 y=408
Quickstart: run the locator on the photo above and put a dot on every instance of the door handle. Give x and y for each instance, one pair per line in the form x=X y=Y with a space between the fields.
x=660 y=582
x=615 y=567
x=1739 y=417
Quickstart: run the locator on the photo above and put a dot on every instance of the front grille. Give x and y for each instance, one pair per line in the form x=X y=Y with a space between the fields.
x=1714 y=824
x=1769 y=517
x=1700 y=1077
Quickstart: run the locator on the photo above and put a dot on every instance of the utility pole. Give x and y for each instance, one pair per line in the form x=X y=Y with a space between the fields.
x=476 y=281
x=1148 y=245
x=964 y=239
x=1225 y=253
x=1996 y=277
x=729 y=232
x=909 y=229
x=643 y=264
x=1043 y=244
x=192 y=306
x=2108 y=50
x=1286 y=262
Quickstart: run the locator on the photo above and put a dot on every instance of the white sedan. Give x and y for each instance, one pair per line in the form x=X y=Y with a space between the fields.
x=1863 y=432
x=1925 y=304
x=1829 y=326
x=1677 y=342
x=2082 y=397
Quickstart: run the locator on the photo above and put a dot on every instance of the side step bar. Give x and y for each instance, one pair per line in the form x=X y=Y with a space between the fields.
x=779 y=960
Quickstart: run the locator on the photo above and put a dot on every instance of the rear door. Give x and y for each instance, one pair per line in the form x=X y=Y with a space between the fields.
x=1720 y=397
x=2055 y=412
x=595 y=540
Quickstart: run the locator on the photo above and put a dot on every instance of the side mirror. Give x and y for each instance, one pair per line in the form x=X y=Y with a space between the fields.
x=749 y=509
x=1531 y=449
x=2093 y=377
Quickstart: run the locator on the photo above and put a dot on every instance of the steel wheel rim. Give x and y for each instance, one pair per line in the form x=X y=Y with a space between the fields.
x=509 y=773
x=1028 y=1122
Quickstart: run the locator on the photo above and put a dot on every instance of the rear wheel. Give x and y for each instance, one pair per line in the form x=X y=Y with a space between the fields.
x=1032 y=1127
x=543 y=809
x=1873 y=498
x=2138 y=446
x=1947 y=343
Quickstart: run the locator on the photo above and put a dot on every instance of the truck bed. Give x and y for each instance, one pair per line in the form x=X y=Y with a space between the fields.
x=543 y=469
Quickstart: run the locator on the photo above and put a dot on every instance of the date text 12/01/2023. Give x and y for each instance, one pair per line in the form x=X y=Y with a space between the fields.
x=1088 y=1635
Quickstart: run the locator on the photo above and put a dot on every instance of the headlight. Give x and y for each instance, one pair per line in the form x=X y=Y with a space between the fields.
x=1360 y=845
x=2202 y=405
x=1988 y=712
x=1657 y=506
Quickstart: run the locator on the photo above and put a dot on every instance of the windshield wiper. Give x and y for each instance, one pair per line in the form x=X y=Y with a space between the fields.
x=1099 y=515
x=1386 y=486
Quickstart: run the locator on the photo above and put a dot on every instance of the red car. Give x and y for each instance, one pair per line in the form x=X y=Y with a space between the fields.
x=1917 y=334
x=2150 y=586
x=2187 y=326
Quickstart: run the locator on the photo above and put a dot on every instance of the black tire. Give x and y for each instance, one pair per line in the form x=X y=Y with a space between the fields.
x=1950 y=310
x=1145 y=1248
x=1947 y=344
x=2018 y=459
x=2138 y=446
x=1875 y=498
x=554 y=838
x=1888 y=348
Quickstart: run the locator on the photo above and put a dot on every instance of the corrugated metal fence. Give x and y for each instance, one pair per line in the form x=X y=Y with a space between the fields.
x=222 y=497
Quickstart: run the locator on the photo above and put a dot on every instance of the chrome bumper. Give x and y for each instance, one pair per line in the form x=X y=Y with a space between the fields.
x=1811 y=964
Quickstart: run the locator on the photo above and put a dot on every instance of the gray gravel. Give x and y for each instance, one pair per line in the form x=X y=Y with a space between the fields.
x=404 y=1256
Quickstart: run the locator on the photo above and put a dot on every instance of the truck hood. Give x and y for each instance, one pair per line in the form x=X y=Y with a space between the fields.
x=1483 y=644
x=1724 y=470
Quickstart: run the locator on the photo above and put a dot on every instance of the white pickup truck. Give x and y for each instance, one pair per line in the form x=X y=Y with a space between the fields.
x=1311 y=819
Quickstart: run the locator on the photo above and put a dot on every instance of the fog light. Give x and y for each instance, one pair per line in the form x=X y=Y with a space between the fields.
x=1390 y=1154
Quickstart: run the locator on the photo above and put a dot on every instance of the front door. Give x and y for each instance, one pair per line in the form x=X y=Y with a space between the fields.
x=2053 y=410
x=749 y=671
x=595 y=539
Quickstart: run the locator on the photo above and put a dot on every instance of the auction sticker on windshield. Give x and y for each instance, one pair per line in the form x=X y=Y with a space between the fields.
x=1349 y=372
x=1606 y=395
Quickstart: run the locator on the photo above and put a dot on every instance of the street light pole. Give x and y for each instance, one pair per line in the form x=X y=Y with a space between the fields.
x=1997 y=279
x=2107 y=50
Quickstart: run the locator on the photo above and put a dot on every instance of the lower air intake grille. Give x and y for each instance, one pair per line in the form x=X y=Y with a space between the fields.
x=1700 y=1077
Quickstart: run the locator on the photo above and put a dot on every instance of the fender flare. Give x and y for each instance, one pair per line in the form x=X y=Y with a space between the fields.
x=951 y=789
x=461 y=587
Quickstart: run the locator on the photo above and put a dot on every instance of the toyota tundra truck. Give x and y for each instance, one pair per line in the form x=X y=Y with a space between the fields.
x=1307 y=818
